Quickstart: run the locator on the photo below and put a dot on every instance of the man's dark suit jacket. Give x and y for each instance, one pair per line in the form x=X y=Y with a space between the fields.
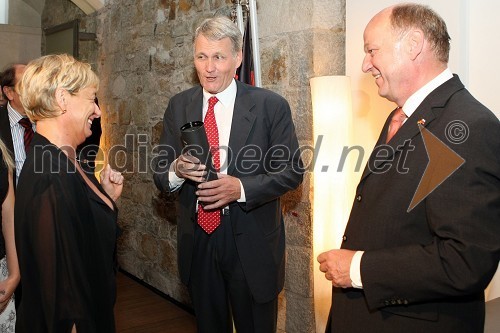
x=262 y=129
x=425 y=270
x=5 y=131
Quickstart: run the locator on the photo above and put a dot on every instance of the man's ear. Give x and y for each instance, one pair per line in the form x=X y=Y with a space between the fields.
x=239 y=58
x=415 y=40
x=9 y=92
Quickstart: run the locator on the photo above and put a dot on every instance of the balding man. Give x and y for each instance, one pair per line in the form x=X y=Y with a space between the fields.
x=410 y=265
x=15 y=127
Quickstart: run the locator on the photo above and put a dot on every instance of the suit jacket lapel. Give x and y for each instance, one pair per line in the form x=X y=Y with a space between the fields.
x=194 y=109
x=428 y=110
x=242 y=123
x=410 y=128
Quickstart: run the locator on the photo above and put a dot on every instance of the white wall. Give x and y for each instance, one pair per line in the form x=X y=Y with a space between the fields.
x=473 y=26
x=484 y=48
x=4 y=11
x=483 y=72
x=21 y=37
x=19 y=44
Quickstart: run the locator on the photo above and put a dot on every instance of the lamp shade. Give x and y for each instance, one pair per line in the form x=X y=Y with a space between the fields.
x=332 y=195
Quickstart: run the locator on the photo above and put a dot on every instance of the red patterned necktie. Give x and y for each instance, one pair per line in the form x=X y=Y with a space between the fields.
x=396 y=123
x=28 y=132
x=210 y=220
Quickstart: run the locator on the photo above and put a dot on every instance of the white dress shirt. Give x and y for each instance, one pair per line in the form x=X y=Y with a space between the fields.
x=17 y=138
x=224 y=117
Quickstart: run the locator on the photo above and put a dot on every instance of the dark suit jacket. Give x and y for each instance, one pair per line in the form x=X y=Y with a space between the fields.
x=262 y=126
x=5 y=131
x=425 y=270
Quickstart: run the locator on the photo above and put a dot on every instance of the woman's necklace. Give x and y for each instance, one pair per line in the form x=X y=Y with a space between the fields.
x=84 y=161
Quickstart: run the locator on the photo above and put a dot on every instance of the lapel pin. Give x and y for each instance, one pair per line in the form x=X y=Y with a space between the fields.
x=421 y=121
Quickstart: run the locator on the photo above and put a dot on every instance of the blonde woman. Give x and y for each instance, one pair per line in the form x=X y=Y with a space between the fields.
x=65 y=219
x=9 y=267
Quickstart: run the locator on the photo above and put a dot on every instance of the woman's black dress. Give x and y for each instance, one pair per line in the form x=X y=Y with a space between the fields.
x=65 y=239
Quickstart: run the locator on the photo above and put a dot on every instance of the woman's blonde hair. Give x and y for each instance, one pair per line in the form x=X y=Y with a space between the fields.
x=44 y=75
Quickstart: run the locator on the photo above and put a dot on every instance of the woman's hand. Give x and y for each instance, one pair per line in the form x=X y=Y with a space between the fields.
x=112 y=182
x=7 y=288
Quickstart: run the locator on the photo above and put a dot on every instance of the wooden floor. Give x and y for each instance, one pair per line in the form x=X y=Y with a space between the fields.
x=140 y=310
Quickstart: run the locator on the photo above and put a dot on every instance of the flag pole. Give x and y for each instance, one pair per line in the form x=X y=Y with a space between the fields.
x=239 y=17
x=255 y=41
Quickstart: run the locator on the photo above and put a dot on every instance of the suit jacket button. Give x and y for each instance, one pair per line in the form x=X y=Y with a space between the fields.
x=358 y=198
x=344 y=238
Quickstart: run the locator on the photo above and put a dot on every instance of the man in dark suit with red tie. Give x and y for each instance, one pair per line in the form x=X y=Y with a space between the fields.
x=231 y=237
x=16 y=129
x=423 y=238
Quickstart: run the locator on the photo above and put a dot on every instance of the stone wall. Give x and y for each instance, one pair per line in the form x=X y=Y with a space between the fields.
x=300 y=40
x=143 y=56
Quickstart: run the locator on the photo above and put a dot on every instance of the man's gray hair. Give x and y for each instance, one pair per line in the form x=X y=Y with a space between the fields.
x=220 y=27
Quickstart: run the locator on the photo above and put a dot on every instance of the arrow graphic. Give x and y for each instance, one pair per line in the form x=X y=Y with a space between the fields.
x=443 y=162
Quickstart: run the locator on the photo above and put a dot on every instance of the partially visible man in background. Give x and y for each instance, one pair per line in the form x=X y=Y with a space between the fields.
x=16 y=129
x=3 y=101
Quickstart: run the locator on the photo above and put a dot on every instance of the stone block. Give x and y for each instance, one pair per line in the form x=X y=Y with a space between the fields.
x=181 y=29
x=109 y=111
x=168 y=253
x=128 y=241
x=278 y=17
x=164 y=207
x=127 y=215
x=142 y=193
x=157 y=130
x=298 y=226
x=329 y=52
x=274 y=61
x=185 y=5
x=302 y=308
x=299 y=271
x=149 y=247
x=139 y=110
x=124 y=114
x=119 y=87
x=329 y=14
x=302 y=61
x=281 y=323
x=299 y=99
